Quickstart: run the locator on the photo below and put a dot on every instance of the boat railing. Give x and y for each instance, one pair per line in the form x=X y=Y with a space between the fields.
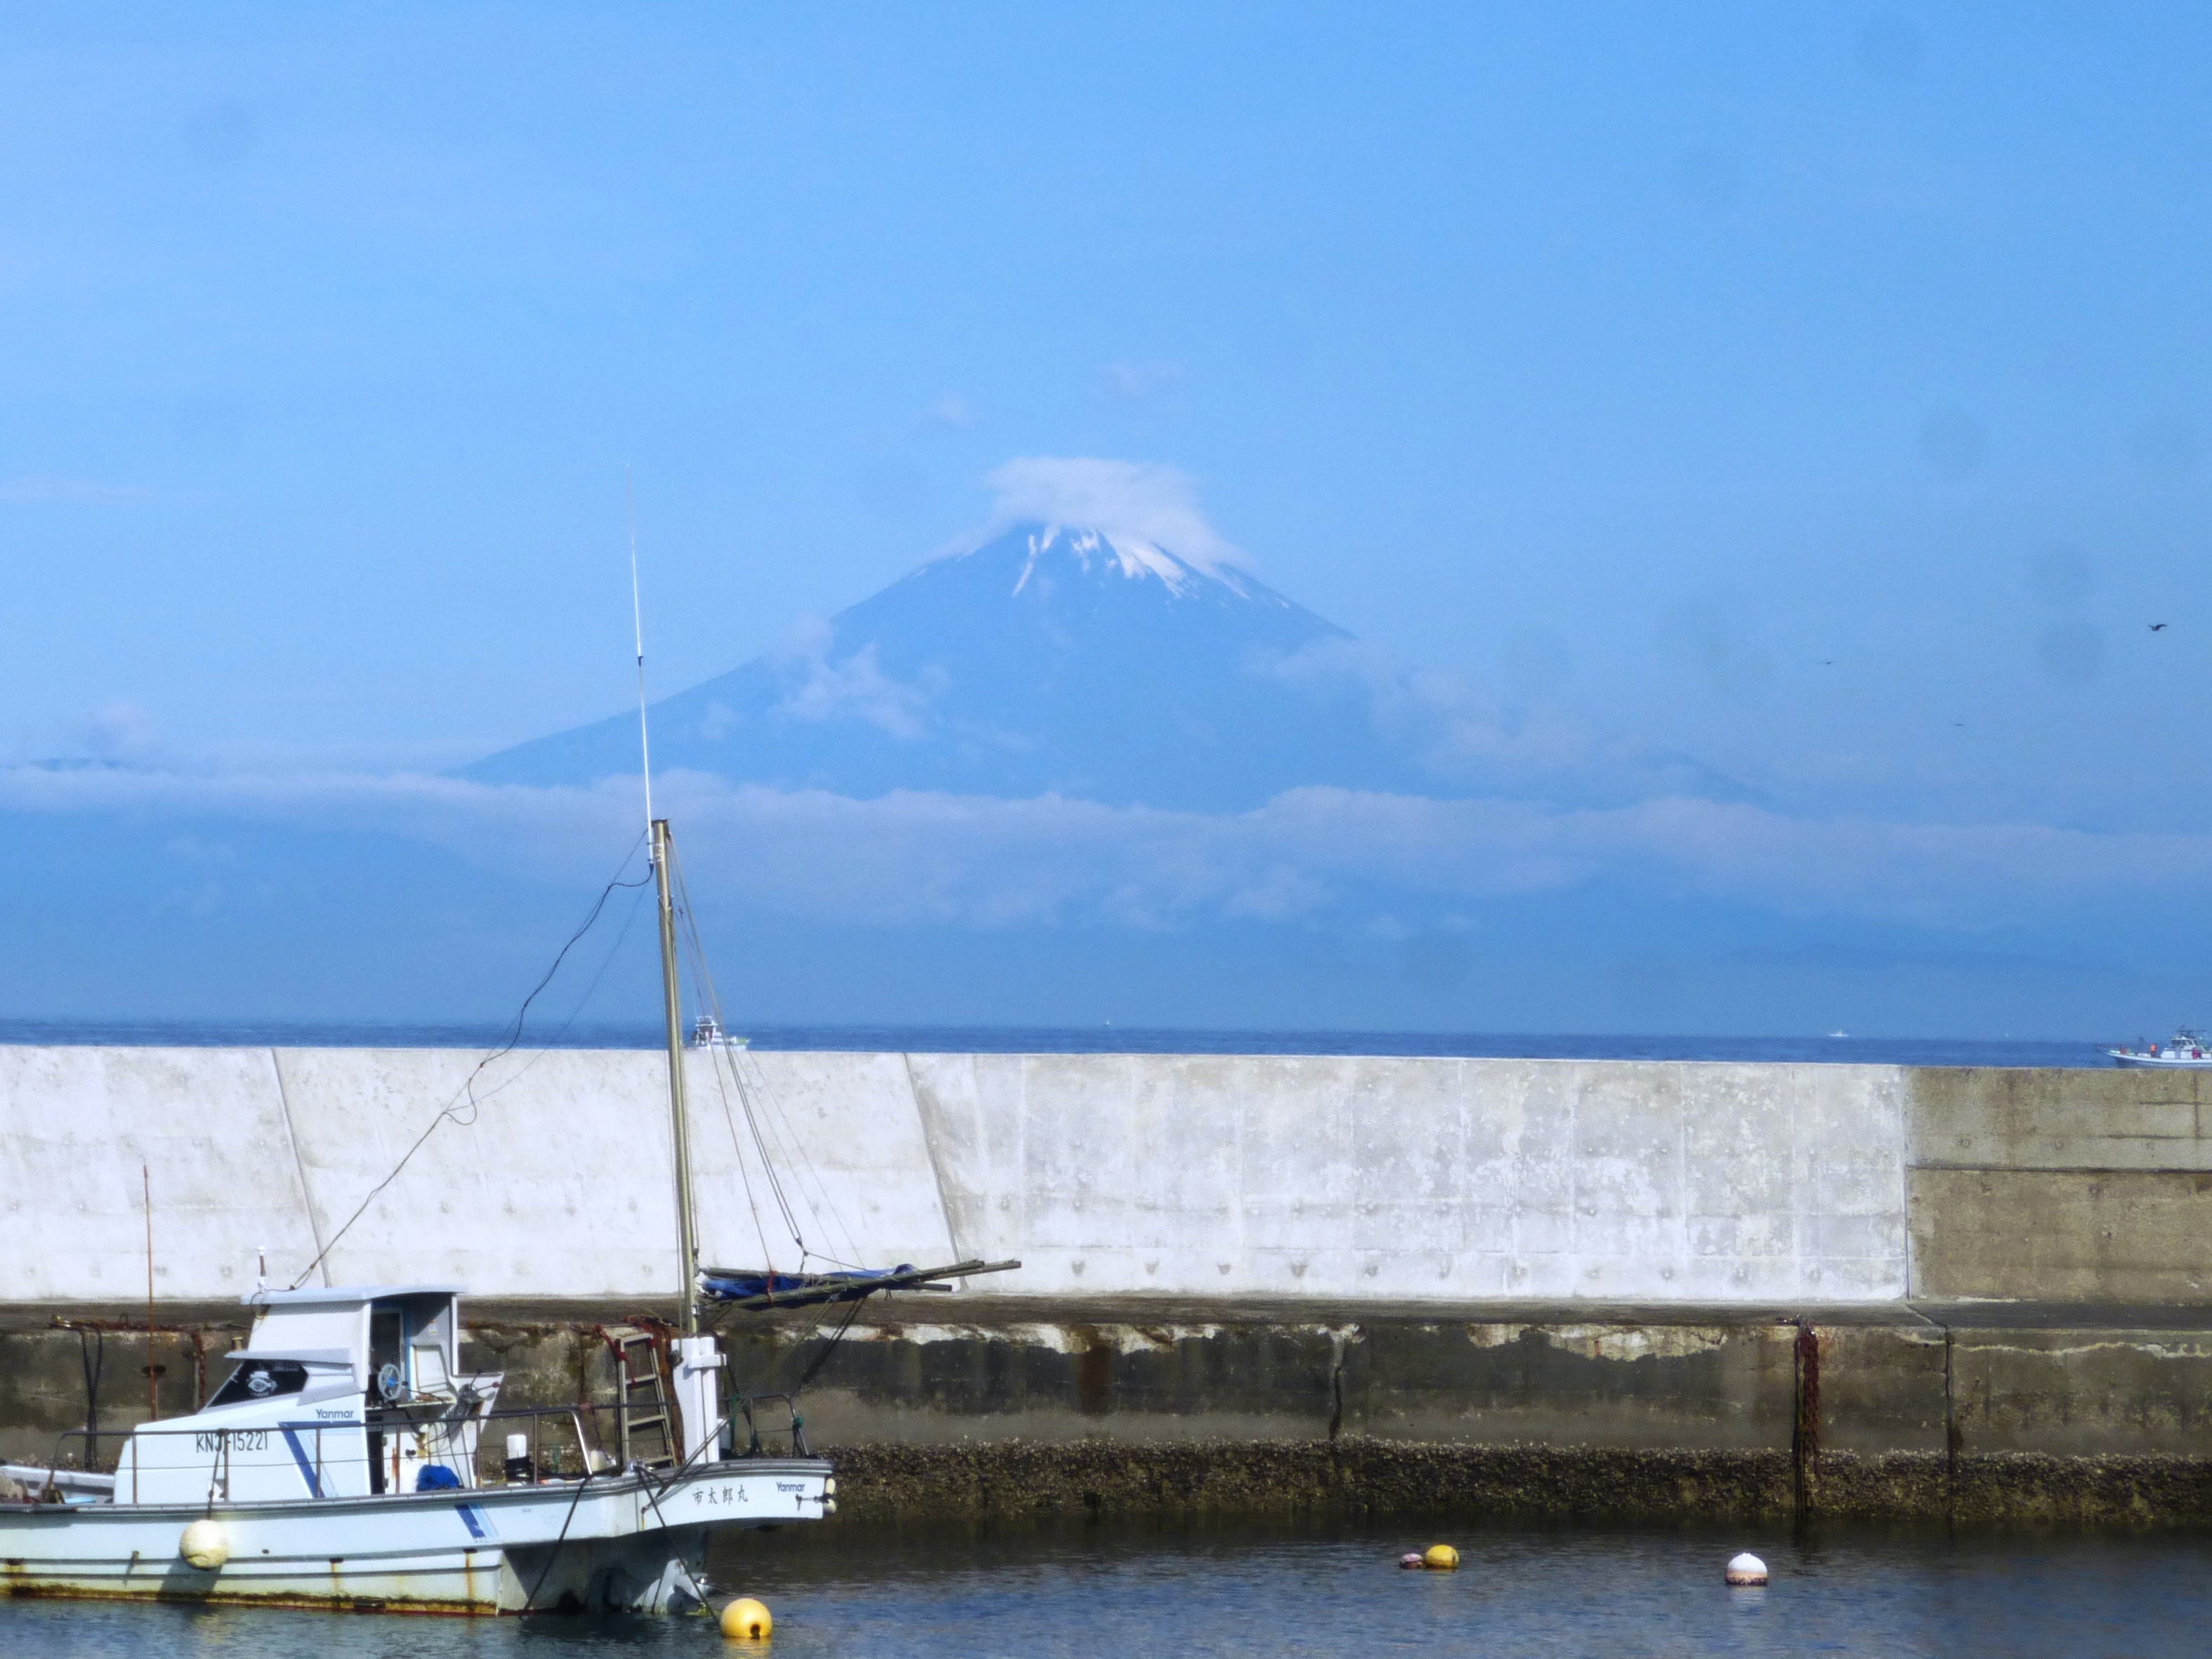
x=754 y=1406
x=595 y=1428
x=560 y=1446
x=227 y=1449
x=88 y=1461
x=563 y=1442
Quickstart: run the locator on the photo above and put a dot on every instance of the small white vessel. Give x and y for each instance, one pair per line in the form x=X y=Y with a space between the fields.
x=2186 y=1050
x=347 y=1461
x=707 y=1032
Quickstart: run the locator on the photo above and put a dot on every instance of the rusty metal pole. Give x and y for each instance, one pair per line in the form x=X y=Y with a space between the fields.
x=153 y=1374
x=1805 y=1442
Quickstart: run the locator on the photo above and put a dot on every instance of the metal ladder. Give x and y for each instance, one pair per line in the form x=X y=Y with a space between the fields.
x=643 y=1412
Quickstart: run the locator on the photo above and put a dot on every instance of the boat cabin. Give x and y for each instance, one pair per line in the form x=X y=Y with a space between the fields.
x=343 y=1392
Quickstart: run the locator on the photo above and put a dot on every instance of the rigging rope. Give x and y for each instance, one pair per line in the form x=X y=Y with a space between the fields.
x=745 y=1174
x=808 y=1375
x=513 y=1037
x=793 y=1146
x=773 y=1135
x=704 y=982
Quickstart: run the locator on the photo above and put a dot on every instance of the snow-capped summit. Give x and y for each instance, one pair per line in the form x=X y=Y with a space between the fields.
x=1132 y=555
x=1052 y=659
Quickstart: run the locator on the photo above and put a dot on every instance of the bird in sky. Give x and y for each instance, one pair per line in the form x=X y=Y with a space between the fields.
x=2155 y=626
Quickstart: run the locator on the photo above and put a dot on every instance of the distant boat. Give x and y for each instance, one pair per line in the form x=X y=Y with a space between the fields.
x=2185 y=1049
x=707 y=1032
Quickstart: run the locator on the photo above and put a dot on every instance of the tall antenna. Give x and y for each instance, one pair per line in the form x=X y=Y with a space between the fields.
x=637 y=622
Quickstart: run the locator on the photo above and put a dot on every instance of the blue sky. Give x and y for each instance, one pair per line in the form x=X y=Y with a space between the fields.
x=1820 y=393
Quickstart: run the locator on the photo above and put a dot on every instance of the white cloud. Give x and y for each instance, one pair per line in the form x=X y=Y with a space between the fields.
x=950 y=413
x=853 y=687
x=1467 y=740
x=1139 y=499
x=1439 y=716
x=265 y=754
x=118 y=731
x=856 y=688
x=1140 y=381
x=1323 y=854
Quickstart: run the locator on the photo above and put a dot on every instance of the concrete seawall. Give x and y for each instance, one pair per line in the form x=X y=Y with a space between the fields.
x=976 y=1406
x=1247 y=1281
x=1380 y=1178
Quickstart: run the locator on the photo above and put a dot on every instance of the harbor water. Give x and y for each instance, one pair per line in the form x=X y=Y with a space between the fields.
x=1084 y=1590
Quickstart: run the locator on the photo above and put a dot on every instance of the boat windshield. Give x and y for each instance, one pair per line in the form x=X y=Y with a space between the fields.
x=261 y=1379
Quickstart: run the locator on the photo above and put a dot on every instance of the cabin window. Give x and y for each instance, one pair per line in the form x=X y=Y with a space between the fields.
x=388 y=1338
x=261 y=1379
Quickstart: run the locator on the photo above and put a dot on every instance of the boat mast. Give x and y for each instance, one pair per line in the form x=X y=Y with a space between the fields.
x=679 y=1123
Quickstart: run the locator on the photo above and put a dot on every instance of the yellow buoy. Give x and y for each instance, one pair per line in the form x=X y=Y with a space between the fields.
x=746 y=1620
x=1440 y=1557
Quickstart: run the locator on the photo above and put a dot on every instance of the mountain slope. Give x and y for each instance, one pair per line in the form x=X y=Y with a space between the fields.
x=1051 y=660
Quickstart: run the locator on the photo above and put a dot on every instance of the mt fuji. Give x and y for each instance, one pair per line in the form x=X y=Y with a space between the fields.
x=1050 y=660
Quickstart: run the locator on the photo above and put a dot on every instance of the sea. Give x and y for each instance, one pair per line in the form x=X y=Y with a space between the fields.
x=1837 y=1049
x=1101 y=1588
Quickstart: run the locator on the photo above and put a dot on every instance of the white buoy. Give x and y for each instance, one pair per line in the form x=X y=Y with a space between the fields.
x=1747 y=1569
x=205 y=1545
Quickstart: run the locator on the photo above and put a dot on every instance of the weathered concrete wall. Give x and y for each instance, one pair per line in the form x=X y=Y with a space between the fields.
x=551 y=1176
x=76 y=1127
x=1362 y=1180
x=1399 y=1479
x=1366 y=1178
x=976 y=1405
x=2061 y=1185
x=1378 y=1179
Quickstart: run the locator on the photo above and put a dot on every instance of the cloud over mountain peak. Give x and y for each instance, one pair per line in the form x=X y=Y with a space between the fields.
x=1131 y=502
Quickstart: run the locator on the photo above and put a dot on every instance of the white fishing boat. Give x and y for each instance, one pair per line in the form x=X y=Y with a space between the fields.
x=344 y=1463
x=350 y=1461
x=2186 y=1050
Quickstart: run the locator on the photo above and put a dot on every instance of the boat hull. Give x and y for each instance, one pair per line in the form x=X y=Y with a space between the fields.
x=623 y=1542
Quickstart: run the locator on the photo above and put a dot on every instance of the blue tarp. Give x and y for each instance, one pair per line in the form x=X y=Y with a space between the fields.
x=800 y=1288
